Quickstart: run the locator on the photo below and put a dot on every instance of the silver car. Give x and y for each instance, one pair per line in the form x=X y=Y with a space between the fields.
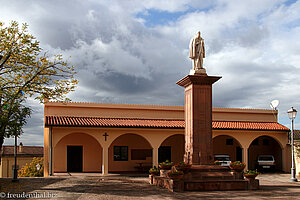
x=223 y=159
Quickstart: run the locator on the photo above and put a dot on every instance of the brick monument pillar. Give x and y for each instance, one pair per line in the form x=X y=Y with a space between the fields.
x=203 y=175
x=198 y=118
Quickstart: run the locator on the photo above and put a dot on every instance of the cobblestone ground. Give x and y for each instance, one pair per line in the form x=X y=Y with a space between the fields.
x=273 y=186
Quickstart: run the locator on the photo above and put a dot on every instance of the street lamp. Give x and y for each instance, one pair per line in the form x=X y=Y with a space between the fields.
x=15 y=170
x=292 y=115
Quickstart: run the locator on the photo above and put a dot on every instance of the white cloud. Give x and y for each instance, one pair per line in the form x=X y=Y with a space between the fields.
x=252 y=44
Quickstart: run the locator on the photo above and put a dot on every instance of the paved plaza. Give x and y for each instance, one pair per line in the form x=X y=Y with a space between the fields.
x=95 y=186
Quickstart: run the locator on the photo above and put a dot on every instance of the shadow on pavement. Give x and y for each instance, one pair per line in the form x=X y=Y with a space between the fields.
x=26 y=184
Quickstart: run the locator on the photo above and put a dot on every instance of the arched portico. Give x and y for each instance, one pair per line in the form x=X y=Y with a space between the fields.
x=246 y=137
x=77 y=149
x=265 y=145
x=227 y=145
x=172 y=149
x=129 y=152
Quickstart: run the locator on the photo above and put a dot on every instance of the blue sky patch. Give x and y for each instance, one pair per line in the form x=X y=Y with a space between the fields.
x=289 y=2
x=155 y=17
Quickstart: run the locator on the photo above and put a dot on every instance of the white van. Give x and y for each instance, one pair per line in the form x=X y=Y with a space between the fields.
x=224 y=159
x=266 y=162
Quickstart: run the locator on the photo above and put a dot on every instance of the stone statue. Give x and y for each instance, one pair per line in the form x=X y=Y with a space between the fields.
x=197 y=53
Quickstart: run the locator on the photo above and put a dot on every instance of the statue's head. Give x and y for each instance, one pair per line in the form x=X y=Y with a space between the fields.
x=198 y=34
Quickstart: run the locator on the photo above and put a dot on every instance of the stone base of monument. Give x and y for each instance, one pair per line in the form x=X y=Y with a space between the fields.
x=205 y=178
x=201 y=71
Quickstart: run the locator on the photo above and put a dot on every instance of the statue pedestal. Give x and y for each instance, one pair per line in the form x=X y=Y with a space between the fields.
x=201 y=71
x=205 y=178
x=198 y=118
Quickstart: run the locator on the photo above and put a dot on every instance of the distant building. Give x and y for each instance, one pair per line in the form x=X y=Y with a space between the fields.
x=96 y=137
x=297 y=135
x=297 y=150
x=25 y=155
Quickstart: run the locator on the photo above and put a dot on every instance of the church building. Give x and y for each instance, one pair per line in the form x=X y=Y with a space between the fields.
x=107 y=138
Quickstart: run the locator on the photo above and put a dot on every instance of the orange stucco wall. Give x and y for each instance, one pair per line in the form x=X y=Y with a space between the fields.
x=92 y=152
x=177 y=147
x=221 y=148
x=46 y=151
x=237 y=114
x=133 y=141
x=8 y=163
x=113 y=110
x=153 y=112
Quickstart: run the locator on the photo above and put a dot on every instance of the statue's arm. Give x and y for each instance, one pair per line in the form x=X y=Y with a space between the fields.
x=192 y=49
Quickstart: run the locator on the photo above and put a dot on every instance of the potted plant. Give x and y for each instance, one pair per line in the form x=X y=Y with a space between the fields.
x=154 y=171
x=182 y=166
x=175 y=174
x=166 y=165
x=237 y=166
x=217 y=162
x=251 y=174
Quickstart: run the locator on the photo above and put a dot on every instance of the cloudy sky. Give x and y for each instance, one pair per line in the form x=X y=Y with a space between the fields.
x=134 y=51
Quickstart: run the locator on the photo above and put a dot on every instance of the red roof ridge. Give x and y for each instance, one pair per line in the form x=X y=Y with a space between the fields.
x=245 y=121
x=118 y=118
x=23 y=146
x=157 y=123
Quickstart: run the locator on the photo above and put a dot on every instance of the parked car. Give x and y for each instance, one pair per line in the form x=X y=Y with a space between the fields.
x=224 y=159
x=266 y=162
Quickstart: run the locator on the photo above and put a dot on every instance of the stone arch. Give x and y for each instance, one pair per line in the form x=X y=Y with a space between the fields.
x=139 y=153
x=271 y=136
x=59 y=137
x=173 y=145
x=138 y=134
x=265 y=145
x=227 y=145
x=92 y=152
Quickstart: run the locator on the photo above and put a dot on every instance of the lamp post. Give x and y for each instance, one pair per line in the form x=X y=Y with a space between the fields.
x=15 y=171
x=292 y=115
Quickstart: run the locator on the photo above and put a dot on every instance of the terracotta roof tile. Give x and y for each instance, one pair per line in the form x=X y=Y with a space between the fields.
x=154 y=123
x=111 y=122
x=249 y=125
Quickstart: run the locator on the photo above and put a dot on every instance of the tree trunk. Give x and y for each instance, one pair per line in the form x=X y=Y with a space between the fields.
x=1 y=144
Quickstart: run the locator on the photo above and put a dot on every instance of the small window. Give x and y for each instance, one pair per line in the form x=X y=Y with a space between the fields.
x=229 y=141
x=265 y=142
x=255 y=142
x=120 y=153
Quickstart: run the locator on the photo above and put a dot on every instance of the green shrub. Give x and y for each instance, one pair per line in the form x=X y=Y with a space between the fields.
x=251 y=172
x=167 y=162
x=34 y=169
x=154 y=169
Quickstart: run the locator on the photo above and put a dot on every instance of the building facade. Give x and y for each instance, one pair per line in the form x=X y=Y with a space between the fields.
x=25 y=154
x=93 y=137
x=297 y=150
